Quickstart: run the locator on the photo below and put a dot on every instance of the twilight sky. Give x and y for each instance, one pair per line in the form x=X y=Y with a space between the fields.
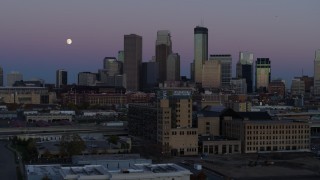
x=33 y=32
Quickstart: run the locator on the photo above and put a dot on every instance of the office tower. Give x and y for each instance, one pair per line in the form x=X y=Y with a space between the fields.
x=239 y=85
x=163 y=49
x=297 y=87
x=225 y=61
x=173 y=67
x=150 y=75
x=200 y=51
x=121 y=56
x=61 y=78
x=211 y=74
x=192 y=71
x=245 y=69
x=316 y=84
x=277 y=87
x=132 y=61
x=1 y=76
x=87 y=79
x=13 y=77
x=263 y=74
x=308 y=82
x=112 y=65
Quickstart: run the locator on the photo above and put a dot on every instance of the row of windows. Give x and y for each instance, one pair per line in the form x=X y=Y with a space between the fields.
x=182 y=132
x=276 y=148
x=278 y=132
x=277 y=126
x=249 y=143
x=277 y=137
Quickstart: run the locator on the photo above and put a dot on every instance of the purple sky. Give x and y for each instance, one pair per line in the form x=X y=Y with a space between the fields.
x=33 y=32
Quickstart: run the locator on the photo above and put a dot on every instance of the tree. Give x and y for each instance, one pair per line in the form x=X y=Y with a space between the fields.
x=113 y=139
x=71 y=145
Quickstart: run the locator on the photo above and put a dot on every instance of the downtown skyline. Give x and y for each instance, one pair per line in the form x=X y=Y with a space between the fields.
x=34 y=33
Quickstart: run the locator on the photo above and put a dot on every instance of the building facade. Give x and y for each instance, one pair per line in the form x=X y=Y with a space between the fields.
x=61 y=78
x=297 y=87
x=263 y=74
x=200 y=51
x=13 y=77
x=163 y=49
x=27 y=95
x=245 y=69
x=259 y=133
x=132 y=61
x=87 y=79
x=225 y=61
x=150 y=75
x=211 y=74
x=173 y=67
x=316 y=84
x=1 y=76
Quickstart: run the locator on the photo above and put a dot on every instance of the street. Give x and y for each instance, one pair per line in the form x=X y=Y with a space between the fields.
x=7 y=162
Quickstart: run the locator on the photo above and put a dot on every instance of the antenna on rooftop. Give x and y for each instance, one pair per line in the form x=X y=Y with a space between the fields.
x=302 y=72
x=202 y=22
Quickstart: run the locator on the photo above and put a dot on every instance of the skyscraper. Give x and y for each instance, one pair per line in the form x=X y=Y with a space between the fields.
x=112 y=65
x=173 y=67
x=13 y=77
x=263 y=74
x=245 y=69
x=211 y=74
x=61 y=78
x=200 y=51
x=163 y=49
x=87 y=79
x=132 y=61
x=225 y=61
x=1 y=76
x=121 y=56
x=316 y=84
x=150 y=75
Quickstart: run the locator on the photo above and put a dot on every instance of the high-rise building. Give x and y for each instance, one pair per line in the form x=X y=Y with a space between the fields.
x=112 y=65
x=1 y=76
x=192 y=72
x=163 y=49
x=13 y=77
x=211 y=75
x=61 y=78
x=239 y=85
x=225 y=61
x=121 y=56
x=263 y=74
x=277 y=87
x=200 y=51
x=173 y=67
x=297 y=87
x=316 y=84
x=245 y=69
x=168 y=122
x=87 y=79
x=150 y=75
x=132 y=61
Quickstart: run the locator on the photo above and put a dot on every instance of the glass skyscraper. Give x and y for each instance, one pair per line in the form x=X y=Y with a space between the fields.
x=263 y=74
x=245 y=69
x=225 y=61
x=61 y=78
x=200 y=51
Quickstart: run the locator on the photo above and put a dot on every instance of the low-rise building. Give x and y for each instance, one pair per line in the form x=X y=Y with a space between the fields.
x=259 y=133
x=27 y=95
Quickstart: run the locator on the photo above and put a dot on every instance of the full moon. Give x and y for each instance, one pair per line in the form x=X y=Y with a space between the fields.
x=69 y=41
